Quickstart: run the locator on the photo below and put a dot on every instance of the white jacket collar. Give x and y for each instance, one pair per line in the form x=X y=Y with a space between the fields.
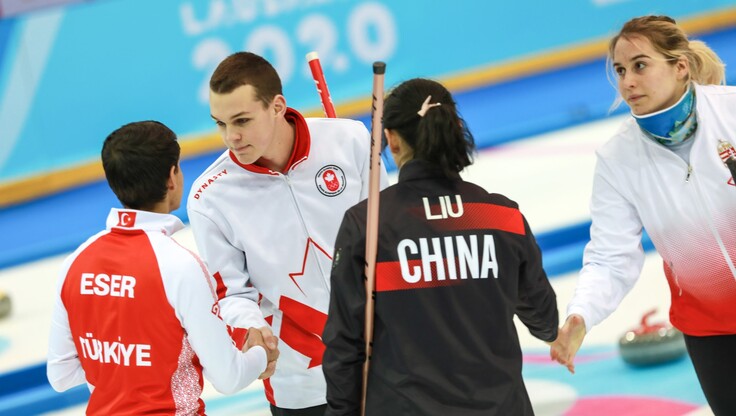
x=143 y=220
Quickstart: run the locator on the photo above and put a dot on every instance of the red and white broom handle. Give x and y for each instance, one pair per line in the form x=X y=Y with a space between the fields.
x=319 y=80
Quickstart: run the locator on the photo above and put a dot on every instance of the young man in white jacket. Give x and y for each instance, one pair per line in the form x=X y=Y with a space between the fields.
x=265 y=216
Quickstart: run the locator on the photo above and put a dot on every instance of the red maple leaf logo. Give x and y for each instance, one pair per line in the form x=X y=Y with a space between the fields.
x=301 y=329
x=293 y=276
x=331 y=181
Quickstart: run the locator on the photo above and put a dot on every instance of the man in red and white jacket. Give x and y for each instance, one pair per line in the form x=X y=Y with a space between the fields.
x=265 y=216
x=137 y=316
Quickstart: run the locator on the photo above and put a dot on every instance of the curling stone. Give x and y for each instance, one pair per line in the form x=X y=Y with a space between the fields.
x=5 y=305
x=651 y=344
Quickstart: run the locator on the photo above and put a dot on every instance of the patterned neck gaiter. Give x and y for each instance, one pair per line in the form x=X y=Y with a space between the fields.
x=672 y=125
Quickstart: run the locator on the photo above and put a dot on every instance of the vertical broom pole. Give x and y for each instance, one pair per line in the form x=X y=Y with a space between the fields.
x=371 y=238
x=319 y=81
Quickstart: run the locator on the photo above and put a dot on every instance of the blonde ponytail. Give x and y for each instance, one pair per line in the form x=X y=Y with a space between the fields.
x=706 y=68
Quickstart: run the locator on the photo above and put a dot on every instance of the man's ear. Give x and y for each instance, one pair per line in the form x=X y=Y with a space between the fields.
x=279 y=104
x=171 y=183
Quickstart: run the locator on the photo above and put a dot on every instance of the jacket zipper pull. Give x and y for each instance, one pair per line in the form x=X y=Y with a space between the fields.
x=689 y=172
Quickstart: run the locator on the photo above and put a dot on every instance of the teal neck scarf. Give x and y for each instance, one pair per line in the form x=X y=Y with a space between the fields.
x=672 y=125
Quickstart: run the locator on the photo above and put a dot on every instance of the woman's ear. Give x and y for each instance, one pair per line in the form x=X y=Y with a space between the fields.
x=400 y=150
x=683 y=69
x=394 y=141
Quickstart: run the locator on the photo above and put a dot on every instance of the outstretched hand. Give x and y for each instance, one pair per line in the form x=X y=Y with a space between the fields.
x=265 y=338
x=567 y=344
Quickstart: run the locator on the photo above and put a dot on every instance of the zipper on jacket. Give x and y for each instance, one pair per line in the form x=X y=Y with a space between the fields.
x=701 y=202
x=306 y=231
x=713 y=230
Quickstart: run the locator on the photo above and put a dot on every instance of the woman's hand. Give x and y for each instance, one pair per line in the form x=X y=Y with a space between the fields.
x=567 y=344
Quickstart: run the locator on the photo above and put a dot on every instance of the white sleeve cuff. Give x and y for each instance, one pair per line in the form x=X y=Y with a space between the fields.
x=256 y=356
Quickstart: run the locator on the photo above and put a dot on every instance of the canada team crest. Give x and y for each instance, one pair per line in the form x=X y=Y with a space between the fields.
x=330 y=180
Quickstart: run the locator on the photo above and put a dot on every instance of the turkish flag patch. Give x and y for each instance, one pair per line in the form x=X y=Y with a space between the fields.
x=126 y=219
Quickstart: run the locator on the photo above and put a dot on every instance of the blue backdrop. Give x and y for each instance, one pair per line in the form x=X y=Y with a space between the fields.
x=70 y=75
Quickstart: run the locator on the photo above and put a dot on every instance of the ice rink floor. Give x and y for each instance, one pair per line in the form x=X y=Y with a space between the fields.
x=550 y=176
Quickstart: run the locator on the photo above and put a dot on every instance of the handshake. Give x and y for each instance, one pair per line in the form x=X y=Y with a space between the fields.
x=569 y=338
x=265 y=338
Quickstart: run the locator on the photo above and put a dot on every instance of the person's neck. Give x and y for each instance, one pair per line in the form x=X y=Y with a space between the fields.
x=282 y=146
x=673 y=125
x=158 y=208
x=402 y=157
x=163 y=207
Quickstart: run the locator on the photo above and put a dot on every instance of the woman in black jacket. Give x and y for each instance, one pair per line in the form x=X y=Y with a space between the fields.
x=454 y=265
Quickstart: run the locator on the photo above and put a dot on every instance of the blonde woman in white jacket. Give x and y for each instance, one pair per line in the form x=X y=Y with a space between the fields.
x=663 y=171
